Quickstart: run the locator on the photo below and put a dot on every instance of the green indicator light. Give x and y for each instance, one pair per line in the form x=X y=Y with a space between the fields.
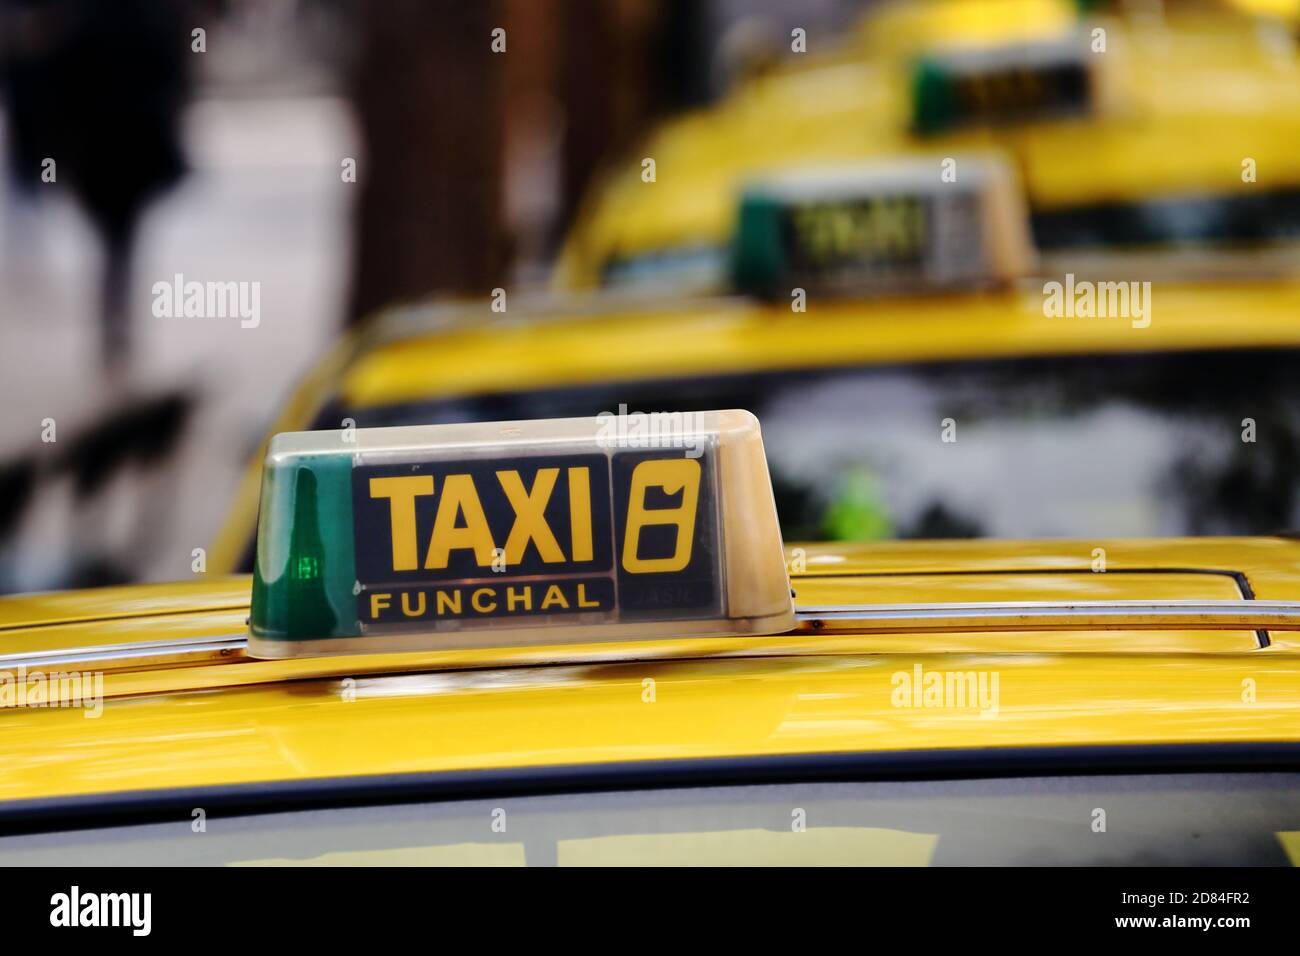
x=307 y=593
x=934 y=99
x=758 y=254
x=306 y=567
x=309 y=608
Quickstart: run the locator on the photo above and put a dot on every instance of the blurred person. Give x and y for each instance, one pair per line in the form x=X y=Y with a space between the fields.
x=97 y=88
x=93 y=93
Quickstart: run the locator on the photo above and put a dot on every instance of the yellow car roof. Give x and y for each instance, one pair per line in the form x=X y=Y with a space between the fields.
x=725 y=336
x=183 y=707
x=901 y=27
x=1287 y=11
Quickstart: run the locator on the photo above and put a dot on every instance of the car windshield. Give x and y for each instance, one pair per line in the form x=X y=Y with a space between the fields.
x=1172 y=820
x=1087 y=446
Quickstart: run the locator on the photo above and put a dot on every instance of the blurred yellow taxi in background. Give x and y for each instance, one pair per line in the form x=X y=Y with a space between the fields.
x=913 y=378
x=1154 y=131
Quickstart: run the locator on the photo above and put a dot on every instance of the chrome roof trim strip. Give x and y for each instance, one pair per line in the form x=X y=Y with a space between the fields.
x=190 y=650
x=860 y=618
x=1051 y=615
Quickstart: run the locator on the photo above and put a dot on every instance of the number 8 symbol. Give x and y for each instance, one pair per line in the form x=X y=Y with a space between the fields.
x=672 y=475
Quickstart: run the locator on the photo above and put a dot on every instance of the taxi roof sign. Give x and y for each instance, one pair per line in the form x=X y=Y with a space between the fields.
x=1050 y=79
x=902 y=226
x=559 y=531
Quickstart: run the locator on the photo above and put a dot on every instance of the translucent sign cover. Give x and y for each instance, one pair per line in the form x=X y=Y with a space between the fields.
x=621 y=526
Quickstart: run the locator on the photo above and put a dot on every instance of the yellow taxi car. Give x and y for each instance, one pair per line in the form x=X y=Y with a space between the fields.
x=1104 y=117
x=520 y=594
x=893 y=396
x=903 y=704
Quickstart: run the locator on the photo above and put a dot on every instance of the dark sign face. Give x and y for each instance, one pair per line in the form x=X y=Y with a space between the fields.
x=632 y=535
x=883 y=243
x=870 y=237
x=1018 y=92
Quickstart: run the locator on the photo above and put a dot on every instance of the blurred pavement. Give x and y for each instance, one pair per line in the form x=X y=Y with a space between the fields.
x=264 y=202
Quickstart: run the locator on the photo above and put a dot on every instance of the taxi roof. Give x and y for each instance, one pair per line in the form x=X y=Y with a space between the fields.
x=902 y=27
x=218 y=718
x=484 y=352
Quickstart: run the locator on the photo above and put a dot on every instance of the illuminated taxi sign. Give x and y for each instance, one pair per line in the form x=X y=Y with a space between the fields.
x=1018 y=83
x=548 y=532
x=912 y=225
